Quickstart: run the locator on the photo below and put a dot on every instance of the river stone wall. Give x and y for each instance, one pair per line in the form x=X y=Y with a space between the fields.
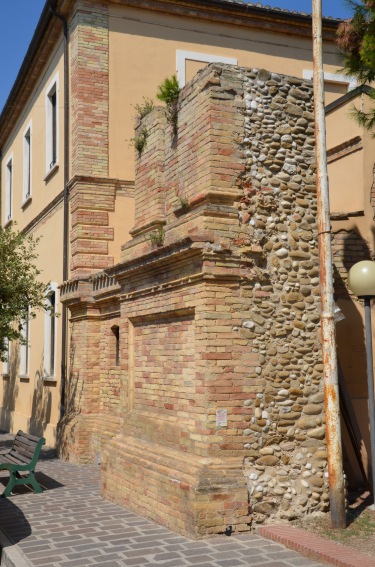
x=285 y=438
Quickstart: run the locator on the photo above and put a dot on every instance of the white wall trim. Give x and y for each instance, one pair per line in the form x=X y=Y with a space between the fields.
x=6 y=363
x=48 y=322
x=25 y=349
x=334 y=78
x=9 y=188
x=53 y=85
x=25 y=188
x=182 y=56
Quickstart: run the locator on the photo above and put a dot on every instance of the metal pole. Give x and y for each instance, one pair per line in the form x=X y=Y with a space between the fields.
x=331 y=392
x=370 y=385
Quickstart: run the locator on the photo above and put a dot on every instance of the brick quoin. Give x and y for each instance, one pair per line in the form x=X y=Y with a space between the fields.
x=91 y=197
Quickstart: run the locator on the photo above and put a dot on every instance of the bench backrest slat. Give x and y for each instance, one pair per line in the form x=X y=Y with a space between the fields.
x=21 y=458
x=10 y=459
x=25 y=441
x=27 y=436
x=24 y=449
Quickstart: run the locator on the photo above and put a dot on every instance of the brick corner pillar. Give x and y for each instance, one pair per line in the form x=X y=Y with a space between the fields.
x=92 y=193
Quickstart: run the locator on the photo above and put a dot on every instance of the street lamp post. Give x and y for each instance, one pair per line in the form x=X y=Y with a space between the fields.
x=362 y=283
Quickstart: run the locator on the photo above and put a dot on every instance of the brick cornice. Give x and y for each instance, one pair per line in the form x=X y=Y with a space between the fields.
x=102 y=181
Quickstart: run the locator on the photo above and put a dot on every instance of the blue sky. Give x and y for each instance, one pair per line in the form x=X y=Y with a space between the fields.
x=20 y=17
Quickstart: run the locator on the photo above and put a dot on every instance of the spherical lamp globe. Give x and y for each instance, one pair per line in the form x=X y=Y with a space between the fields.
x=361 y=279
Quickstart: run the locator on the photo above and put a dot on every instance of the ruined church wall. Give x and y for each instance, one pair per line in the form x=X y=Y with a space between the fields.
x=221 y=375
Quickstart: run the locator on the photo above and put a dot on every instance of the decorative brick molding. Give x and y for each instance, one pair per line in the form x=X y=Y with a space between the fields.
x=91 y=201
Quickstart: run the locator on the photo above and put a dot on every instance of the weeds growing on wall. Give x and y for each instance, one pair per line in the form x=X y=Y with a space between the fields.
x=140 y=140
x=168 y=92
x=144 y=108
x=157 y=236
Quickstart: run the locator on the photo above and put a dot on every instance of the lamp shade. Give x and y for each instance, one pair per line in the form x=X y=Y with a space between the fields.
x=361 y=279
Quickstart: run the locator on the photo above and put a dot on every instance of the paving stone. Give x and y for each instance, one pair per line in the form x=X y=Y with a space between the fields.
x=70 y=525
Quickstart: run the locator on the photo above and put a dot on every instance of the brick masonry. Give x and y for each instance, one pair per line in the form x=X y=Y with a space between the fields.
x=92 y=193
x=219 y=387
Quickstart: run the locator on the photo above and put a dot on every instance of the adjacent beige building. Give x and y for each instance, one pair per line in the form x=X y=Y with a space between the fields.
x=67 y=158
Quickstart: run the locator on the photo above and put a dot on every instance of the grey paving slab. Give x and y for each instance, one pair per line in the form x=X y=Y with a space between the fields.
x=70 y=525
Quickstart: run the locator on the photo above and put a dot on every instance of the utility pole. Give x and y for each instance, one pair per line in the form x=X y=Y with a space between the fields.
x=331 y=391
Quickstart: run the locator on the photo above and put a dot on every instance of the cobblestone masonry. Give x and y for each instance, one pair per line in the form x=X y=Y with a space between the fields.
x=220 y=372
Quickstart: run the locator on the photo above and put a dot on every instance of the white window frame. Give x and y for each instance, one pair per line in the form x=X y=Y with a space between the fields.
x=27 y=164
x=50 y=324
x=9 y=186
x=182 y=56
x=25 y=348
x=52 y=88
x=6 y=363
x=334 y=78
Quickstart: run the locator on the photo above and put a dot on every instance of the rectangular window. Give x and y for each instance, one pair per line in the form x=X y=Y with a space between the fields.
x=27 y=164
x=116 y=344
x=52 y=126
x=50 y=334
x=24 y=348
x=9 y=189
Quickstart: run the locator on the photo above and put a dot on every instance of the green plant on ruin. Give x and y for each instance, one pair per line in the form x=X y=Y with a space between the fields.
x=184 y=203
x=157 y=236
x=168 y=92
x=140 y=140
x=144 y=108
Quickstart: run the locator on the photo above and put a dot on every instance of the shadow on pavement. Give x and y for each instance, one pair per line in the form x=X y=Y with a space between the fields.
x=13 y=524
x=45 y=481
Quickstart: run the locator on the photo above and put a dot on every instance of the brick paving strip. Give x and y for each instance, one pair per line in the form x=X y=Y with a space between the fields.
x=317 y=547
x=70 y=525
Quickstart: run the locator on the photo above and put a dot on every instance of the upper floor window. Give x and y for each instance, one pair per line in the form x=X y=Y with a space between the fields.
x=9 y=189
x=27 y=164
x=50 y=333
x=52 y=125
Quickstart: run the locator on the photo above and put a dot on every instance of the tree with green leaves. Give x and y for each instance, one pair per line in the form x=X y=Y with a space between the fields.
x=356 y=40
x=21 y=292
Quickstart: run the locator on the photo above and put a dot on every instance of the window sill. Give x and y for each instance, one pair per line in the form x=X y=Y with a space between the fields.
x=26 y=202
x=5 y=375
x=8 y=222
x=51 y=172
x=24 y=378
x=49 y=379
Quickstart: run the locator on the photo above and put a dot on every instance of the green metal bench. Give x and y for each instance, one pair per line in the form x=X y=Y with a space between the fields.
x=22 y=457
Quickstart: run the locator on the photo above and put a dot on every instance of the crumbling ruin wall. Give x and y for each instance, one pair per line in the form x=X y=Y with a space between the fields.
x=221 y=374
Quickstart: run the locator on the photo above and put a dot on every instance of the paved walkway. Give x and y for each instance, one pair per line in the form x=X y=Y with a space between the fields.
x=70 y=525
